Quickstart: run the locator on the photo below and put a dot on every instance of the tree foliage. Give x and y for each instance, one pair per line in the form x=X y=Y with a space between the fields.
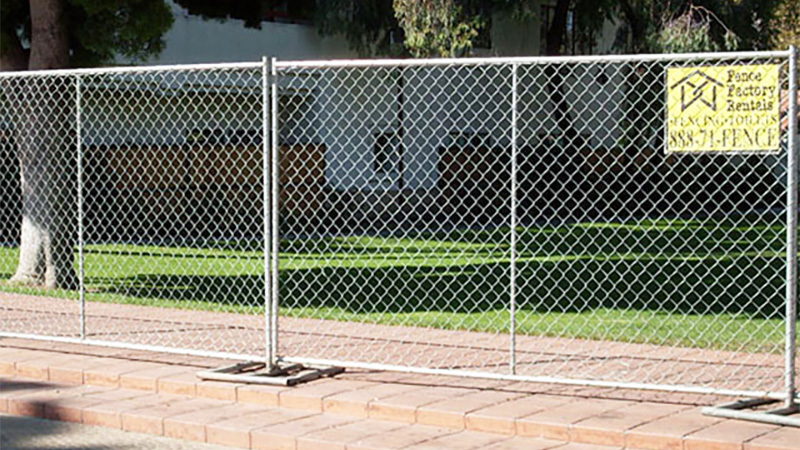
x=706 y=25
x=98 y=30
x=784 y=25
x=691 y=31
x=438 y=27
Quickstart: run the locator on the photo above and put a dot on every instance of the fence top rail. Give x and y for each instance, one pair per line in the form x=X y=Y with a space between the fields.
x=408 y=62
x=711 y=56
x=131 y=69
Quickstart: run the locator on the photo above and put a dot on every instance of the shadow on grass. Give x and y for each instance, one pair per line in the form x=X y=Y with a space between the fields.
x=689 y=269
x=686 y=267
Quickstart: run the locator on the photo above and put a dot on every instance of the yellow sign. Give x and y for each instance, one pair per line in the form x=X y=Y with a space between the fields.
x=723 y=109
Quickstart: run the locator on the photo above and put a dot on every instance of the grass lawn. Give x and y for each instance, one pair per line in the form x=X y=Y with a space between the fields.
x=707 y=284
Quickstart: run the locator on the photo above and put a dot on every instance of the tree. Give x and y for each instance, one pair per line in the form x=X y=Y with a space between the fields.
x=707 y=25
x=58 y=34
x=784 y=25
x=438 y=27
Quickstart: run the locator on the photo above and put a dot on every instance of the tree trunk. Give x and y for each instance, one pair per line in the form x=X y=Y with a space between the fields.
x=558 y=28
x=556 y=75
x=44 y=135
x=636 y=24
x=15 y=57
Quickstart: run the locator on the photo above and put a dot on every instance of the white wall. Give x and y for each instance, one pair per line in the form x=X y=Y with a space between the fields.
x=345 y=109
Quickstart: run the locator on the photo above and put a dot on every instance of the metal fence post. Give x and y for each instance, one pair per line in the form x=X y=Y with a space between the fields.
x=513 y=271
x=79 y=156
x=267 y=219
x=274 y=192
x=791 y=231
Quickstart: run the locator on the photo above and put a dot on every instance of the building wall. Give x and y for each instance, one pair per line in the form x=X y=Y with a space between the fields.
x=345 y=110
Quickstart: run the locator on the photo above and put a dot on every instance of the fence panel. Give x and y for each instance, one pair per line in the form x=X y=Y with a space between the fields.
x=170 y=214
x=631 y=266
x=394 y=228
x=644 y=266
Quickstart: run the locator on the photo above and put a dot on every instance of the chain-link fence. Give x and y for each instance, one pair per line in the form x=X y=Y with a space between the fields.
x=514 y=218
x=154 y=180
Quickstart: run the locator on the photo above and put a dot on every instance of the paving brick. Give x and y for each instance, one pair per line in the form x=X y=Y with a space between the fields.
x=401 y=438
x=638 y=425
x=464 y=440
x=525 y=443
x=451 y=413
x=70 y=409
x=5 y=346
x=609 y=427
x=726 y=435
x=184 y=383
x=32 y=403
x=375 y=376
x=17 y=386
x=284 y=436
x=309 y=396
x=203 y=362
x=403 y=407
x=151 y=419
x=40 y=367
x=73 y=369
x=356 y=402
x=109 y=414
x=667 y=433
x=218 y=390
x=192 y=425
x=16 y=355
x=36 y=368
x=501 y=418
x=555 y=423
x=6 y=369
x=581 y=446
x=109 y=374
x=456 y=382
x=786 y=438
x=236 y=432
x=147 y=379
x=10 y=359
x=264 y=395
x=341 y=437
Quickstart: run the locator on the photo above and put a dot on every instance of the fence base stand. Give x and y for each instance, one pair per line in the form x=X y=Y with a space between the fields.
x=736 y=410
x=252 y=372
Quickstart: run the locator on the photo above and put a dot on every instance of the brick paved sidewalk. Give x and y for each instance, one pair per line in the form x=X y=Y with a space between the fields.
x=396 y=345
x=159 y=394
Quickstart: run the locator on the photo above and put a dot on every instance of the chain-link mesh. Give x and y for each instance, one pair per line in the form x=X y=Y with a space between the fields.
x=631 y=265
x=172 y=210
x=37 y=145
x=502 y=217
